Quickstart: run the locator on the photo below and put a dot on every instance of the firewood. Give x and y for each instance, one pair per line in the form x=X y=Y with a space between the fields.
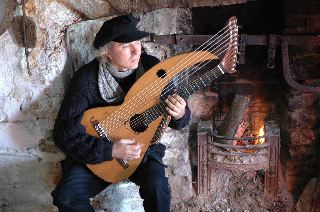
x=234 y=117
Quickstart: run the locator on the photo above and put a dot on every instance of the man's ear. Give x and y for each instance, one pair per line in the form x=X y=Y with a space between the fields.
x=108 y=56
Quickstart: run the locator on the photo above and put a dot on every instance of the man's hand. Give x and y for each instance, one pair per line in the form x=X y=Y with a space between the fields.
x=126 y=149
x=176 y=106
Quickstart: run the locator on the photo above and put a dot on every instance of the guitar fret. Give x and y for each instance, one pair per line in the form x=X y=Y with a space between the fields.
x=153 y=113
x=188 y=91
x=221 y=69
x=183 y=94
x=192 y=89
x=198 y=85
x=208 y=78
x=148 y=117
x=202 y=81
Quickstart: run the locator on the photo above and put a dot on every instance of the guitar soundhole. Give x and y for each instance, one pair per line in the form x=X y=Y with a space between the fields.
x=138 y=123
x=161 y=73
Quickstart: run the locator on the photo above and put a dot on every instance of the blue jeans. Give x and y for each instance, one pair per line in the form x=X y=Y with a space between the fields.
x=78 y=184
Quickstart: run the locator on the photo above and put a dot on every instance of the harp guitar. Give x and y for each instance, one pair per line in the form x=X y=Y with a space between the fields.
x=142 y=111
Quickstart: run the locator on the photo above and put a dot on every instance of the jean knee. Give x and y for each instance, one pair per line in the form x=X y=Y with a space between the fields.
x=156 y=186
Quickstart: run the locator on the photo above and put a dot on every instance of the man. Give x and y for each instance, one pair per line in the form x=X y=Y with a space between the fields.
x=102 y=82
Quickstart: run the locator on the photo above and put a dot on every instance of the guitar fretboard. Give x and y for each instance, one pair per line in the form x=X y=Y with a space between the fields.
x=185 y=92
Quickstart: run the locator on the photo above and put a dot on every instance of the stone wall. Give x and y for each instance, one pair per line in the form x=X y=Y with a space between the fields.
x=31 y=90
x=300 y=125
x=29 y=103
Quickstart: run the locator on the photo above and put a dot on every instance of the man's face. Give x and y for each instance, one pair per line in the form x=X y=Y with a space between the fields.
x=125 y=56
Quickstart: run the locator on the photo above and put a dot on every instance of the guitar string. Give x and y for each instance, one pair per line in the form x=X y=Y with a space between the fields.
x=209 y=39
x=118 y=113
x=121 y=115
x=140 y=120
x=149 y=119
x=179 y=79
x=186 y=71
x=136 y=97
x=147 y=115
x=153 y=113
x=184 y=77
x=147 y=88
x=214 y=73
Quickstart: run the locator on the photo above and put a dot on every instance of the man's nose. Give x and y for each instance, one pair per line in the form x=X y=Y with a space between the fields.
x=135 y=49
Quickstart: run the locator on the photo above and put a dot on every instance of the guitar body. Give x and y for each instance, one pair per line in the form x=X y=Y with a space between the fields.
x=112 y=171
x=145 y=93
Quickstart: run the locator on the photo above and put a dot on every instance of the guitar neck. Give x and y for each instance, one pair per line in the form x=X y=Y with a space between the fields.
x=185 y=92
x=201 y=82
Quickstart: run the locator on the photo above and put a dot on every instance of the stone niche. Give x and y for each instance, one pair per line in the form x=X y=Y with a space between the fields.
x=30 y=101
x=125 y=195
x=34 y=81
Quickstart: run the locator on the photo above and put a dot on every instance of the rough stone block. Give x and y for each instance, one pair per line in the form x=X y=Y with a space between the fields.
x=302 y=118
x=26 y=181
x=302 y=152
x=178 y=161
x=297 y=175
x=300 y=100
x=302 y=136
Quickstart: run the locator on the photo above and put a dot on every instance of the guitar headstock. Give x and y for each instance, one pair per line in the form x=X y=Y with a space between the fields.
x=230 y=58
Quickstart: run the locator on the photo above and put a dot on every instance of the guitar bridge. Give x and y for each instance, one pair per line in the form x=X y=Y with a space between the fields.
x=123 y=163
x=98 y=128
x=102 y=134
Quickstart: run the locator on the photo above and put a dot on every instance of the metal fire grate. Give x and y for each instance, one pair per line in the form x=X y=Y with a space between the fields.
x=250 y=157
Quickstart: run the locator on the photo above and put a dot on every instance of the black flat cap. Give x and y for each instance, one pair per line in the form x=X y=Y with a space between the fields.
x=122 y=29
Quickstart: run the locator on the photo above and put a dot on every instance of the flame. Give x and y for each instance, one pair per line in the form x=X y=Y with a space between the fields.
x=261 y=133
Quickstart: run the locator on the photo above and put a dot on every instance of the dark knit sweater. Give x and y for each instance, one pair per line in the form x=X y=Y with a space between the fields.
x=83 y=94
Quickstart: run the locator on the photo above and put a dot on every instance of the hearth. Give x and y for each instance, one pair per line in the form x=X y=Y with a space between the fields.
x=238 y=160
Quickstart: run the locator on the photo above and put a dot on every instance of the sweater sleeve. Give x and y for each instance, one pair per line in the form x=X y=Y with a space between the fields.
x=181 y=123
x=69 y=135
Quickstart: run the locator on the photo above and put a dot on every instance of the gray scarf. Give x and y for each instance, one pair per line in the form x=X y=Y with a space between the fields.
x=109 y=88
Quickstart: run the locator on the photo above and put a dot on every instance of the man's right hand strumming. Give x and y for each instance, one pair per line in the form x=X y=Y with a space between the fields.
x=126 y=149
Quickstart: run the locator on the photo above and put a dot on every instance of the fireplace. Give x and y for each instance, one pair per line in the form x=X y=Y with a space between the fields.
x=213 y=157
x=276 y=91
x=262 y=80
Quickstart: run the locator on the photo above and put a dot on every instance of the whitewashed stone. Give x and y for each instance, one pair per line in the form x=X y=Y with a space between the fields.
x=26 y=181
x=100 y=8
x=28 y=106
x=122 y=197
x=167 y=21
x=178 y=161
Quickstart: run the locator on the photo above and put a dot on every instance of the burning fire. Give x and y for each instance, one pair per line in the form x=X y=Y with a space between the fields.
x=260 y=140
x=261 y=133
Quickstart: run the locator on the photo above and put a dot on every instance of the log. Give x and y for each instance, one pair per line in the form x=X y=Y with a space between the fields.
x=234 y=117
